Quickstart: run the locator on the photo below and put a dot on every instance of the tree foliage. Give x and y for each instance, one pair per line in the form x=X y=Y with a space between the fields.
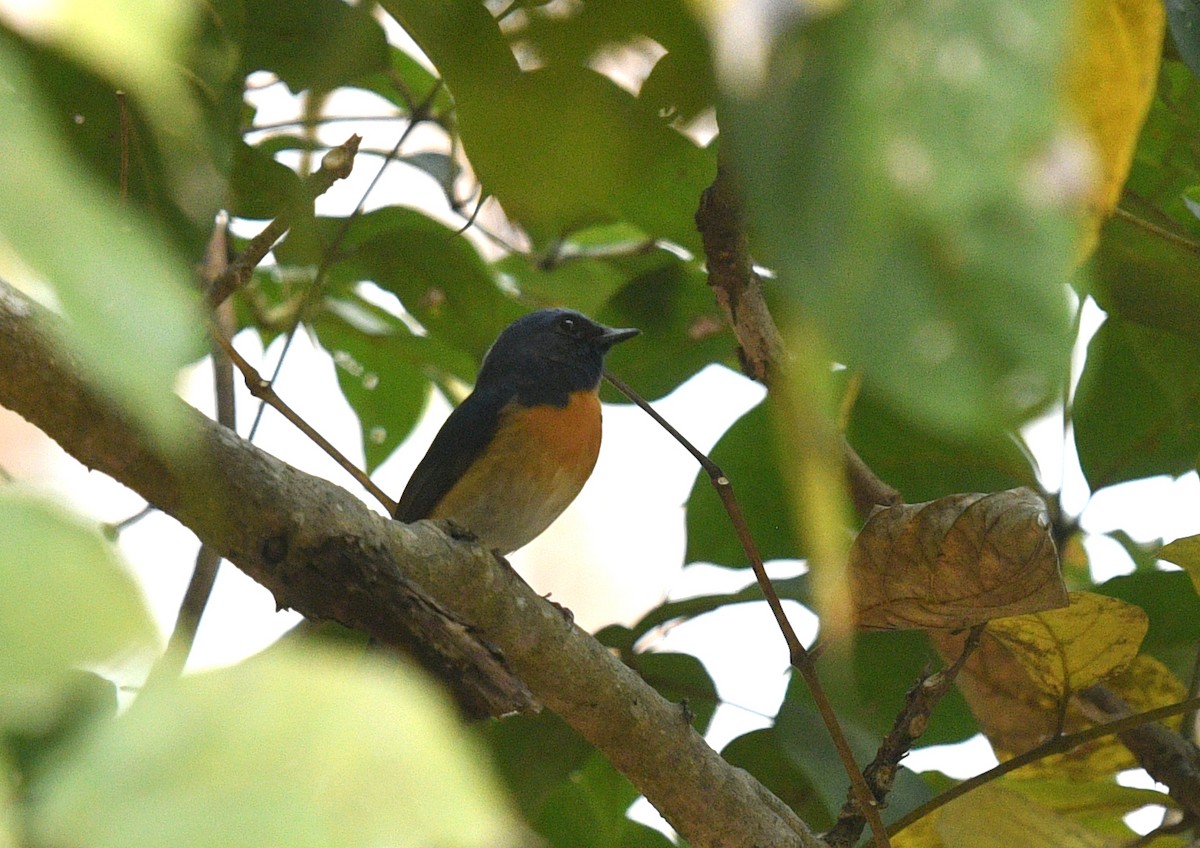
x=925 y=194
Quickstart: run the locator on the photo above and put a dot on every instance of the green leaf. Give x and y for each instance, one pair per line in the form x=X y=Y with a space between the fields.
x=137 y=47
x=65 y=600
x=1183 y=19
x=683 y=329
x=534 y=755
x=748 y=455
x=803 y=739
x=416 y=84
x=793 y=588
x=910 y=180
x=125 y=294
x=561 y=147
x=319 y=44
x=291 y=748
x=261 y=187
x=926 y=463
x=584 y=283
x=1145 y=271
x=1137 y=407
x=438 y=275
x=380 y=373
x=1173 y=606
x=680 y=678
x=588 y=811
x=763 y=754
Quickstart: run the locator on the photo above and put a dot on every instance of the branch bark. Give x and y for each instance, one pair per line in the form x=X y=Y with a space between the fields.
x=322 y=552
x=739 y=292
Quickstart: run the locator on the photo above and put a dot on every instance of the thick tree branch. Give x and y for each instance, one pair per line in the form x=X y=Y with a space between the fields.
x=322 y=552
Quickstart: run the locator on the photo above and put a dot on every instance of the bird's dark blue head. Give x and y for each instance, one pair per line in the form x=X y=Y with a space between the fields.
x=546 y=355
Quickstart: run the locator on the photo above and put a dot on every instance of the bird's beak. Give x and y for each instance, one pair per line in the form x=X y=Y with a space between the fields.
x=612 y=336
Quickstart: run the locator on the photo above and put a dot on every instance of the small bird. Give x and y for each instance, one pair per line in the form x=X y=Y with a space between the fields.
x=517 y=451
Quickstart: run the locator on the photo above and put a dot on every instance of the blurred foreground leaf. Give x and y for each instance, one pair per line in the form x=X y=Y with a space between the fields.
x=910 y=180
x=290 y=749
x=65 y=600
x=130 y=317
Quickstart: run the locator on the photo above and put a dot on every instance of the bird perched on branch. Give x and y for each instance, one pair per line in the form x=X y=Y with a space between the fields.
x=517 y=451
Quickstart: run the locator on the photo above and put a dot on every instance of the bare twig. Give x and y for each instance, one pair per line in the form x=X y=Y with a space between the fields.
x=335 y=165
x=263 y=390
x=1057 y=745
x=797 y=653
x=732 y=277
x=910 y=724
x=419 y=114
x=208 y=559
x=126 y=138
x=1165 y=755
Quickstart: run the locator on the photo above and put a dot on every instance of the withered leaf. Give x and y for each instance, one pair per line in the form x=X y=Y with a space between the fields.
x=955 y=562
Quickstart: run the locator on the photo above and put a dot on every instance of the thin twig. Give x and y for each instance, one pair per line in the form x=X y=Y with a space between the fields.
x=419 y=114
x=798 y=655
x=125 y=134
x=909 y=725
x=1057 y=745
x=208 y=560
x=263 y=390
x=1155 y=230
x=335 y=165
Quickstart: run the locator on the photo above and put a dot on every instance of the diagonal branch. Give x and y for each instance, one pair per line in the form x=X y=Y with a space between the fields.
x=322 y=552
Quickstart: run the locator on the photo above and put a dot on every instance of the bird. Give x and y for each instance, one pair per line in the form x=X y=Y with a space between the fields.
x=515 y=453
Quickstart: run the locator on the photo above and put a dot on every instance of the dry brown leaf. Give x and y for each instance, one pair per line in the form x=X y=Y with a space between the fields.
x=1010 y=710
x=955 y=562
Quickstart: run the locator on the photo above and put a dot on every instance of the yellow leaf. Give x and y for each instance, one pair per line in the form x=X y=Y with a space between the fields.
x=1144 y=684
x=1185 y=553
x=1110 y=82
x=1016 y=681
x=1067 y=650
x=992 y=817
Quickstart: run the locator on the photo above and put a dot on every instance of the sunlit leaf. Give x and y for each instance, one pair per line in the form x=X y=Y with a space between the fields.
x=287 y=749
x=1111 y=80
x=1185 y=552
x=1067 y=650
x=993 y=817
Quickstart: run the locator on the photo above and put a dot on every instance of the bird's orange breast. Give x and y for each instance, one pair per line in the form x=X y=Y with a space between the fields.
x=534 y=467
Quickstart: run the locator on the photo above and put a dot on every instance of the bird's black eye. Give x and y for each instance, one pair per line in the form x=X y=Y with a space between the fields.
x=568 y=325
